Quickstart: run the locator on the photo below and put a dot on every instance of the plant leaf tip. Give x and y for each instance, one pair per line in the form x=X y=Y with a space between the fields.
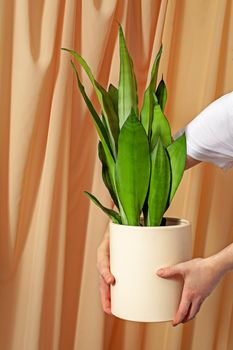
x=119 y=24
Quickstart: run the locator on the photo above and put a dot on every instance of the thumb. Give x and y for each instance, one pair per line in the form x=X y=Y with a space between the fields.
x=169 y=271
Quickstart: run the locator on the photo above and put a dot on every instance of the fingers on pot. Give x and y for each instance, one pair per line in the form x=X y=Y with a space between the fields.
x=196 y=305
x=106 y=275
x=105 y=297
x=183 y=310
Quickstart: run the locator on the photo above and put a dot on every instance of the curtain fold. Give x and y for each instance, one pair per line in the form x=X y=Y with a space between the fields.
x=49 y=229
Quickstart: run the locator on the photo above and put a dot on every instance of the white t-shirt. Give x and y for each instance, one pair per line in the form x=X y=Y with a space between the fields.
x=209 y=136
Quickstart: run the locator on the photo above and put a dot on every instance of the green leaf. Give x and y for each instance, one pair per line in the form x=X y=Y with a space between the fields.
x=160 y=126
x=111 y=213
x=105 y=124
x=177 y=155
x=113 y=92
x=111 y=117
x=85 y=66
x=161 y=94
x=105 y=173
x=111 y=173
x=100 y=129
x=132 y=168
x=145 y=209
x=104 y=100
x=127 y=93
x=148 y=100
x=159 y=184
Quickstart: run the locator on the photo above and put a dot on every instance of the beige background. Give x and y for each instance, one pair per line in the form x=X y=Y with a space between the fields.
x=49 y=230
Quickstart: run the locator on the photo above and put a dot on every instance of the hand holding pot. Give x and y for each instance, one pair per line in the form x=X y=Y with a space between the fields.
x=106 y=278
x=200 y=275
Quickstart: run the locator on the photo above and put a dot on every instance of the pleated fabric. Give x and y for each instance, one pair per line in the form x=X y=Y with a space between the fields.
x=49 y=230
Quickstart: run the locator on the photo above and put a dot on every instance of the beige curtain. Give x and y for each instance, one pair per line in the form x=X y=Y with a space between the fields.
x=49 y=230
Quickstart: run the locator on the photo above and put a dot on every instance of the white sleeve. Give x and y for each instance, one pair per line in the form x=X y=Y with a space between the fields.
x=209 y=136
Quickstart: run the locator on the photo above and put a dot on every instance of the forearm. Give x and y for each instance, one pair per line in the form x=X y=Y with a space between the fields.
x=223 y=260
x=190 y=162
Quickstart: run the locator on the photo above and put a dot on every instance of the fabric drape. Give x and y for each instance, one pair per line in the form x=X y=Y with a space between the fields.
x=49 y=230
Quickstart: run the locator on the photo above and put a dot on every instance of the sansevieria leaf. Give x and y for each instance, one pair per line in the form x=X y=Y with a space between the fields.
x=141 y=165
x=132 y=168
x=160 y=126
x=109 y=177
x=105 y=124
x=113 y=93
x=111 y=117
x=177 y=155
x=104 y=139
x=104 y=100
x=159 y=184
x=148 y=101
x=99 y=127
x=110 y=212
x=105 y=173
x=161 y=93
x=127 y=92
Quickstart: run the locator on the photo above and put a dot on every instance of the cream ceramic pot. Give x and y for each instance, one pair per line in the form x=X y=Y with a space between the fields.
x=136 y=252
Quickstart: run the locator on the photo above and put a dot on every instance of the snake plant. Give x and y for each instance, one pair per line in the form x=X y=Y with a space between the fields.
x=141 y=164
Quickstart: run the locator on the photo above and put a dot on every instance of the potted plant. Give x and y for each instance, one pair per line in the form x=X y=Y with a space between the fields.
x=142 y=167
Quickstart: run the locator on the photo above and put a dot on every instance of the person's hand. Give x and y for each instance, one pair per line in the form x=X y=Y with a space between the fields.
x=106 y=278
x=200 y=276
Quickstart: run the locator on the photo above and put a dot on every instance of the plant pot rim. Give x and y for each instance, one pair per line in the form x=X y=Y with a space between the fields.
x=174 y=222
